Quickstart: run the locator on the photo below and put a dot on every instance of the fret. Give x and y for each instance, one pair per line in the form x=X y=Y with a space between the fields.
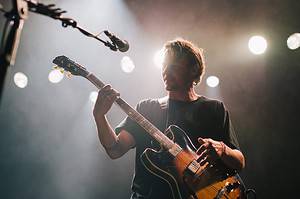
x=99 y=84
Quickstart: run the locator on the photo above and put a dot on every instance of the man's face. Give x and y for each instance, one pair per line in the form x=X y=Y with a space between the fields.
x=176 y=74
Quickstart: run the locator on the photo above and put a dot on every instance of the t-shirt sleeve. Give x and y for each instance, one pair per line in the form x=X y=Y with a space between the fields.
x=229 y=136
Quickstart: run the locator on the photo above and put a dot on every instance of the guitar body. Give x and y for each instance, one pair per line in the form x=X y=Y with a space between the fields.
x=209 y=182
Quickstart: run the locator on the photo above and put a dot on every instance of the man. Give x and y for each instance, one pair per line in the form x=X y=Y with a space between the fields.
x=204 y=120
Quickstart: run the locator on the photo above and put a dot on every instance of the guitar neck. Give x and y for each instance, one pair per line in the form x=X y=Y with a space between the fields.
x=136 y=116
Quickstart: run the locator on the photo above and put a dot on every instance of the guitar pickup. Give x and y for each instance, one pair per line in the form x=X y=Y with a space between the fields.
x=193 y=167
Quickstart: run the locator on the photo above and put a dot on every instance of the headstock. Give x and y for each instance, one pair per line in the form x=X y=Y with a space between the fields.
x=70 y=66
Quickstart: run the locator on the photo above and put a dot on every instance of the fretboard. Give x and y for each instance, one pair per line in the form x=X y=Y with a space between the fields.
x=136 y=116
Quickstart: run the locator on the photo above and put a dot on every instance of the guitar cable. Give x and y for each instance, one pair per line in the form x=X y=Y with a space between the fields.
x=251 y=192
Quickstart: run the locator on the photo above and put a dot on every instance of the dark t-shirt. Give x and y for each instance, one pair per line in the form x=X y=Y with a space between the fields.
x=204 y=117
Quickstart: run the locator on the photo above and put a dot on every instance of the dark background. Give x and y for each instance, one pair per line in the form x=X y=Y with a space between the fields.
x=48 y=140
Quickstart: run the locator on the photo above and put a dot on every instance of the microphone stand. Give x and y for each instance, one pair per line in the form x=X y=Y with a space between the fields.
x=14 y=25
x=11 y=37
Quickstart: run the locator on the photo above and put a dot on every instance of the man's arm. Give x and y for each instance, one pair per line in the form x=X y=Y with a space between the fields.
x=115 y=145
x=211 y=150
x=233 y=158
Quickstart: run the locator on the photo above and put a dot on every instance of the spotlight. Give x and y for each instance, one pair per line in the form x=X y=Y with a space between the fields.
x=20 y=80
x=293 y=42
x=257 y=45
x=55 y=76
x=127 y=64
x=212 y=81
x=159 y=58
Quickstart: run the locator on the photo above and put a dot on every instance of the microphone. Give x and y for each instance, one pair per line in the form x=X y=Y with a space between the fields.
x=122 y=45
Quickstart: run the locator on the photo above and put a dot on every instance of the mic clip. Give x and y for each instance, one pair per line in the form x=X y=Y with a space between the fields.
x=117 y=43
x=111 y=45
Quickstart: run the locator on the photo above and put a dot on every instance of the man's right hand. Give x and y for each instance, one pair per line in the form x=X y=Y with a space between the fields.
x=106 y=97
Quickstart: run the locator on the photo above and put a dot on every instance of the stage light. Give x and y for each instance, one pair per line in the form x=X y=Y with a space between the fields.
x=159 y=58
x=20 y=80
x=293 y=42
x=212 y=81
x=257 y=45
x=93 y=96
x=127 y=64
x=55 y=76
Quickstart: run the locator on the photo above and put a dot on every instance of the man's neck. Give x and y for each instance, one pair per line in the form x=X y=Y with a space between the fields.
x=184 y=95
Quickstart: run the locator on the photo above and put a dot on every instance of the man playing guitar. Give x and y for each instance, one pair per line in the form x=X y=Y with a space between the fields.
x=205 y=121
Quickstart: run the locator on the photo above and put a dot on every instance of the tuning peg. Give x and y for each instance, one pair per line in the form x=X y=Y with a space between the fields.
x=61 y=70
x=55 y=67
x=68 y=74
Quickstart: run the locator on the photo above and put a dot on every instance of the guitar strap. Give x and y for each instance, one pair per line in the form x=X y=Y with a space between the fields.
x=163 y=102
x=164 y=107
x=159 y=114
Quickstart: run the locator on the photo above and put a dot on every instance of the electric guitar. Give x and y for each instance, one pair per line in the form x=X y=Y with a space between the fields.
x=180 y=169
